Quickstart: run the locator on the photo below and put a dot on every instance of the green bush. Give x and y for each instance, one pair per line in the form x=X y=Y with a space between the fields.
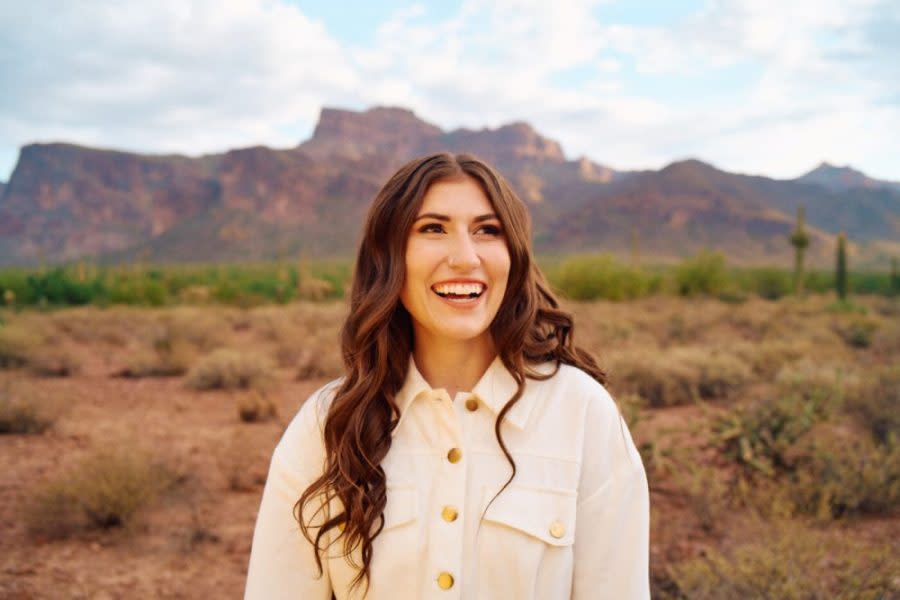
x=591 y=277
x=772 y=284
x=857 y=332
x=761 y=438
x=703 y=274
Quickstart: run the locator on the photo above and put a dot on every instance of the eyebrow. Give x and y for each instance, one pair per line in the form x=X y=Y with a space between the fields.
x=439 y=217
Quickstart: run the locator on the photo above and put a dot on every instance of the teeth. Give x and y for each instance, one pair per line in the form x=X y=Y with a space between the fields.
x=459 y=289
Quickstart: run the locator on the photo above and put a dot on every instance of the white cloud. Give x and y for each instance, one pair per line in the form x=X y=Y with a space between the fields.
x=206 y=76
x=166 y=76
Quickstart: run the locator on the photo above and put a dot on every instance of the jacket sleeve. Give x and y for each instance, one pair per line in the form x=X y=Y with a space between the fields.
x=612 y=539
x=282 y=561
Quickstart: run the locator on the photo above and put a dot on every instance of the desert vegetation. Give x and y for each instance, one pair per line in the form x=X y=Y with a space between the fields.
x=768 y=424
x=580 y=277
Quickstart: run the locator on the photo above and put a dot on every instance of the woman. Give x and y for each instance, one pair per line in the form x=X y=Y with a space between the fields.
x=471 y=450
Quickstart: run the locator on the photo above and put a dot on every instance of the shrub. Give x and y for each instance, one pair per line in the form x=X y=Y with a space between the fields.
x=761 y=438
x=16 y=345
x=600 y=276
x=18 y=415
x=886 y=341
x=229 y=369
x=842 y=474
x=703 y=274
x=53 y=362
x=790 y=563
x=314 y=289
x=770 y=356
x=857 y=332
x=680 y=375
x=256 y=406
x=825 y=385
x=875 y=402
x=159 y=363
x=103 y=491
x=772 y=284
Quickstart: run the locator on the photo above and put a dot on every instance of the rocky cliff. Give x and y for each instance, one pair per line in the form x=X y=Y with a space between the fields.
x=64 y=202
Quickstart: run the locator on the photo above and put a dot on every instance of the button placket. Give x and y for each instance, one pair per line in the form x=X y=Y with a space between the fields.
x=446 y=519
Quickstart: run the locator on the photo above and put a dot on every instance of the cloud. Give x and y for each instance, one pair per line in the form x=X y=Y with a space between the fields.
x=162 y=76
x=814 y=77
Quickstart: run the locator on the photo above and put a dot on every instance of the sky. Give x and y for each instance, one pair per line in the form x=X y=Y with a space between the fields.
x=752 y=86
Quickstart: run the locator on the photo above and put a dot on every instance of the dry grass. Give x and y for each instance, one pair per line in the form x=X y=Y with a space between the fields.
x=104 y=490
x=256 y=405
x=22 y=412
x=680 y=375
x=793 y=562
x=229 y=369
x=791 y=391
x=875 y=401
x=17 y=343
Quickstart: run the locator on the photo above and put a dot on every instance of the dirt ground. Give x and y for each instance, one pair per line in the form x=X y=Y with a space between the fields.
x=193 y=541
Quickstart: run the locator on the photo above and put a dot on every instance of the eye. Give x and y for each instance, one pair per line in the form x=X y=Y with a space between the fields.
x=489 y=229
x=431 y=228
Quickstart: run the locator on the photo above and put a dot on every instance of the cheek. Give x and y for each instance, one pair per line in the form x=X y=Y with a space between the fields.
x=501 y=265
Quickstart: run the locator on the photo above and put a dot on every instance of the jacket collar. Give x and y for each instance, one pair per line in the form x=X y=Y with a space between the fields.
x=495 y=388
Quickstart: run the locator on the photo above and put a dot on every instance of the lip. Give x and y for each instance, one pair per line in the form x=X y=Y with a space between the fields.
x=461 y=304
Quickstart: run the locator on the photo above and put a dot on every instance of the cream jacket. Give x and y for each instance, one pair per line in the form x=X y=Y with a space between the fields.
x=574 y=522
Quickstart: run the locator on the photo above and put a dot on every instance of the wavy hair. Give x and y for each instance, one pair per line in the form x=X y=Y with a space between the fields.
x=377 y=339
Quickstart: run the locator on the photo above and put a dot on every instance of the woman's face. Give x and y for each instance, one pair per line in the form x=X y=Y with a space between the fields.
x=457 y=265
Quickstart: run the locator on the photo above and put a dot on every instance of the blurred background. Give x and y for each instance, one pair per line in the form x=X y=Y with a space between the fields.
x=715 y=194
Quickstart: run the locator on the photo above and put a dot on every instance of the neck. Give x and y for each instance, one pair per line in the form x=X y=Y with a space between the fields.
x=457 y=366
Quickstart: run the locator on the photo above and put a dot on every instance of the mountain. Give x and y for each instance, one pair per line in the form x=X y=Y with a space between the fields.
x=64 y=202
x=844 y=178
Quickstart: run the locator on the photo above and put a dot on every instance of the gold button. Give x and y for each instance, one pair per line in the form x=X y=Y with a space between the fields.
x=455 y=455
x=449 y=514
x=445 y=580
x=557 y=529
x=471 y=404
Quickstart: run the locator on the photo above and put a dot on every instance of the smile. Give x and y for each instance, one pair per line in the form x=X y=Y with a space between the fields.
x=459 y=291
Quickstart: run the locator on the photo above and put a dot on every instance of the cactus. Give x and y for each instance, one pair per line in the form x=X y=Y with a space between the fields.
x=799 y=240
x=840 y=276
x=895 y=278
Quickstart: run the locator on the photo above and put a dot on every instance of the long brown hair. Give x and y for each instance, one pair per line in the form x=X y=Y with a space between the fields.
x=377 y=339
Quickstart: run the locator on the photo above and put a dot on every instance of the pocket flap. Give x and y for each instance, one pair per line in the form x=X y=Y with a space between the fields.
x=402 y=505
x=545 y=513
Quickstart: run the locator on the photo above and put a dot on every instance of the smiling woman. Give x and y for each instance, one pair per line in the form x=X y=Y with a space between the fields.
x=470 y=450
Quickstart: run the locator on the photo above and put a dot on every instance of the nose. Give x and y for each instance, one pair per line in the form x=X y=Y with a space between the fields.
x=463 y=255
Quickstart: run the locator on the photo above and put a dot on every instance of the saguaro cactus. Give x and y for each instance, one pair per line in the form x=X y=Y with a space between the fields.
x=895 y=278
x=799 y=240
x=840 y=275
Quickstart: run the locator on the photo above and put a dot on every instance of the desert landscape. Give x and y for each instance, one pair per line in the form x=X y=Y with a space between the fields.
x=137 y=440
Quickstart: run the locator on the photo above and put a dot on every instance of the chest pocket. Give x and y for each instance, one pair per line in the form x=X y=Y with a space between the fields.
x=525 y=543
x=545 y=514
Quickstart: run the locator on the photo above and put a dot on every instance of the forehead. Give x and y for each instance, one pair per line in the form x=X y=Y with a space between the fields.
x=456 y=198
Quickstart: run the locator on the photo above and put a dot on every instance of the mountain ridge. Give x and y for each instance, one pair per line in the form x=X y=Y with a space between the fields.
x=65 y=201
